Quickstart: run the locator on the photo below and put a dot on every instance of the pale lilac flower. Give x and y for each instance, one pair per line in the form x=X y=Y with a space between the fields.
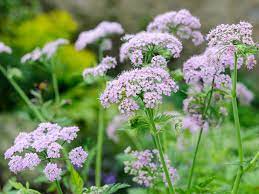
x=106 y=45
x=68 y=134
x=115 y=124
x=16 y=164
x=52 y=172
x=77 y=156
x=146 y=168
x=250 y=62
x=226 y=34
x=181 y=23
x=100 y=70
x=50 y=48
x=32 y=56
x=194 y=123
x=158 y=61
x=53 y=150
x=152 y=83
x=31 y=160
x=103 y=29
x=4 y=48
x=244 y=95
x=144 y=41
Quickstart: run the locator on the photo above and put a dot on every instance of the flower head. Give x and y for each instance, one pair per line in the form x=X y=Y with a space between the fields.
x=4 y=48
x=244 y=95
x=48 y=50
x=103 y=29
x=147 y=83
x=106 y=64
x=77 y=156
x=52 y=172
x=137 y=46
x=182 y=23
x=226 y=34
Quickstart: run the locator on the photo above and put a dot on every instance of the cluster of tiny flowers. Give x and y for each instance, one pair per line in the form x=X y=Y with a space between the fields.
x=48 y=51
x=158 y=61
x=182 y=23
x=244 y=95
x=100 y=70
x=205 y=68
x=137 y=46
x=4 y=48
x=106 y=44
x=148 y=83
x=226 y=34
x=146 y=168
x=45 y=142
x=103 y=29
x=194 y=123
x=96 y=190
x=114 y=125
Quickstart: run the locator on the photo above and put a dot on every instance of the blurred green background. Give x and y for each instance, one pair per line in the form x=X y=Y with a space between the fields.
x=26 y=24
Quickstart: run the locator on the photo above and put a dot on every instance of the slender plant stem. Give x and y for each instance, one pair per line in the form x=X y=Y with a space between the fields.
x=100 y=136
x=58 y=187
x=158 y=145
x=199 y=138
x=22 y=95
x=237 y=126
x=55 y=87
x=99 y=147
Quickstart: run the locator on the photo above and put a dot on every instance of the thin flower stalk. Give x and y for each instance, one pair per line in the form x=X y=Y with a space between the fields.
x=22 y=94
x=237 y=126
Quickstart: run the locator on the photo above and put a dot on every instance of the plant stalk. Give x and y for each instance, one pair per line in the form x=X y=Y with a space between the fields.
x=199 y=139
x=23 y=96
x=238 y=130
x=58 y=187
x=160 y=150
x=55 y=87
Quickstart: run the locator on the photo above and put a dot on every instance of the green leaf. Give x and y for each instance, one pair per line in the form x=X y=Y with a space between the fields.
x=16 y=185
x=76 y=181
x=139 y=123
x=114 y=188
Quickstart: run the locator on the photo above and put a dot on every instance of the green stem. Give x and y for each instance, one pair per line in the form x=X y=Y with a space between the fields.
x=199 y=139
x=55 y=87
x=237 y=126
x=58 y=187
x=158 y=145
x=22 y=95
x=98 y=165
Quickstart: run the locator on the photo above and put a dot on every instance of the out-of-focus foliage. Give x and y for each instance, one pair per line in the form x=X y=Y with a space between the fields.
x=73 y=61
x=41 y=29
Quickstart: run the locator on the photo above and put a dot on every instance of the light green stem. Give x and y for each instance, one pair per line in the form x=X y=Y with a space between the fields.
x=99 y=147
x=237 y=126
x=55 y=87
x=158 y=145
x=58 y=187
x=22 y=95
x=199 y=139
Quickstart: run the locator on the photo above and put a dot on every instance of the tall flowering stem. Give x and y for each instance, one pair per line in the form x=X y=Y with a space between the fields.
x=55 y=86
x=22 y=95
x=100 y=134
x=199 y=138
x=157 y=142
x=58 y=187
x=237 y=126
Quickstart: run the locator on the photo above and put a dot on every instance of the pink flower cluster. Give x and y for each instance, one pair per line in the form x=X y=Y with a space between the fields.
x=244 y=95
x=48 y=51
x=103 y=29
x=147 y=83
x=182 y=23
x=226 y=34
x=4 y=48
x=205 y=68
x=194 y=123
x=137 y=46
x=106 y=64
x=146 y=167
x=45 y=142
